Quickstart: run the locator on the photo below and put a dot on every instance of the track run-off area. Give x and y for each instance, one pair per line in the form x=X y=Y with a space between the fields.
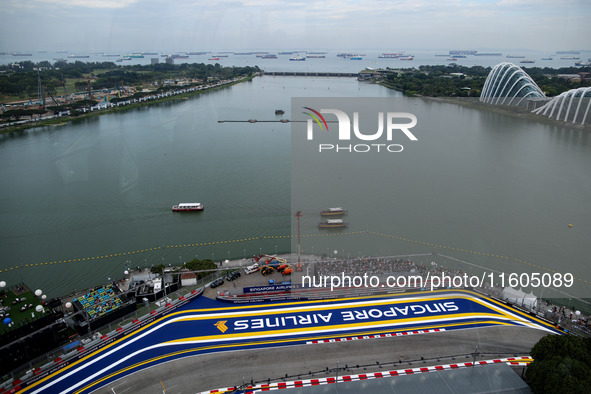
x=193 y=332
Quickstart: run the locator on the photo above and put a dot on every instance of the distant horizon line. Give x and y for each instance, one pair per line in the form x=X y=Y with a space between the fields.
x=164 y=51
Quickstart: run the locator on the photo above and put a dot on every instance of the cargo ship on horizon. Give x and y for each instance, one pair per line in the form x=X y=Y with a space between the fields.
x=392 y=55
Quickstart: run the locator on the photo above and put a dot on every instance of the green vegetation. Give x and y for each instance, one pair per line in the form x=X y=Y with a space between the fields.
x=562 y=364
x=21 y=82
x=201 y=265
x=16 y=114
x=547 y=79
x=459 y=81
x=193 y=265
x=158 y=269
x=156 y=79
x=16 y=315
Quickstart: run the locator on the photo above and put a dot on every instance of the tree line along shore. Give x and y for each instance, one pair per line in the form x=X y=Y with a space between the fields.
x=45 y=94
x=460 y=81
x=41 y=91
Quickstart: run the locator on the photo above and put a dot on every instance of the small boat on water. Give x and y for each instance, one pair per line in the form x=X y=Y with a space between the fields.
x=333 y=212
x=188 y=207
x=297 y=58
x=395 y=55
x=332 y=223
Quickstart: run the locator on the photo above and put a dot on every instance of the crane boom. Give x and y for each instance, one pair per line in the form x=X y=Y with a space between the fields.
x=50 y=95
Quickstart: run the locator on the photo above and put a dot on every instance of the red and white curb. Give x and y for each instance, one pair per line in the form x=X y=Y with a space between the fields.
x=394 y=334
x=523 y=360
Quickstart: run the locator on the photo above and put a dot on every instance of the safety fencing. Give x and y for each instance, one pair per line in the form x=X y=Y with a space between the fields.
x=257 y=388
x=97 y=343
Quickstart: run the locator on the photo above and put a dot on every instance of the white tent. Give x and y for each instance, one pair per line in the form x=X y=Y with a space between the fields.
x=530 y=301
x=520 y=298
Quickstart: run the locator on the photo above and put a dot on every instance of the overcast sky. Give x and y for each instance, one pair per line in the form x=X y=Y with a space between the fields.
x=190 y=25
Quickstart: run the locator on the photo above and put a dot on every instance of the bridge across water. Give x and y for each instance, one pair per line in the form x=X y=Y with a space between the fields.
x=309 y=74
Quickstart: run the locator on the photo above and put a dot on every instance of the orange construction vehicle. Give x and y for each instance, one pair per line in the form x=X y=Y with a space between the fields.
x=269 y=259
x=287 y=271
x=267 y=270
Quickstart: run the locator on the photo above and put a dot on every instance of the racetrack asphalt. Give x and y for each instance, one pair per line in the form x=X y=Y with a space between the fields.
x=199 y=347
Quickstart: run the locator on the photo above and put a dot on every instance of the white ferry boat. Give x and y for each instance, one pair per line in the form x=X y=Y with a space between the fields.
x=332 y=223
x=188 y=207
x=333 y=212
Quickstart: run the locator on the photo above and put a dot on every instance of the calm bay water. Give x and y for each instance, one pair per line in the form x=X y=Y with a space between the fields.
x=490 y=189
x=475 y=180
x=105 y=186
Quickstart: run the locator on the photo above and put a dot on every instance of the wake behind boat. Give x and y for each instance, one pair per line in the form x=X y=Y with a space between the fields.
x=188 y=207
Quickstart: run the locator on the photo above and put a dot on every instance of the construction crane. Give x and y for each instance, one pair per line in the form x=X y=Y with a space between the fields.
x=271 y=258
x=64 y=84
x=50 y=95
x=40 y=90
